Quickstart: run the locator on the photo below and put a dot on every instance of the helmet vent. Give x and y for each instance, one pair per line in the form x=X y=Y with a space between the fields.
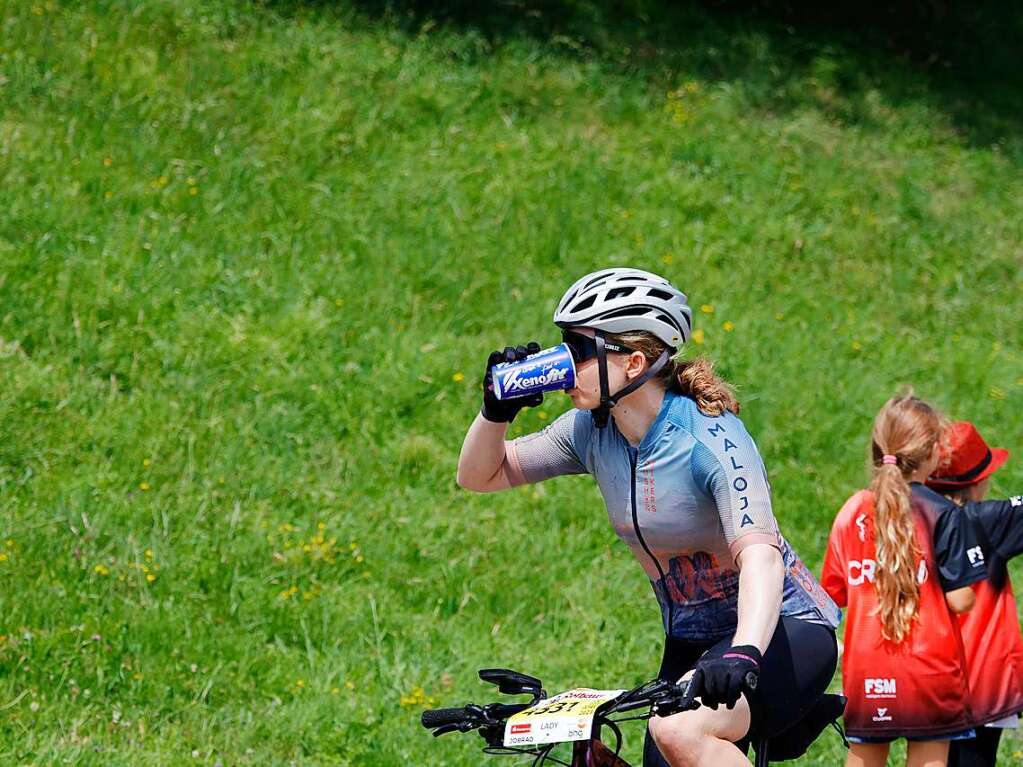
x=595 y=281
x=619 y=293
x=654 y=292
x=628 y=311
x=586 y=303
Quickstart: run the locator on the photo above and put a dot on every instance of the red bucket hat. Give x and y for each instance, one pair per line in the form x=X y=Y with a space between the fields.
x=969 y=459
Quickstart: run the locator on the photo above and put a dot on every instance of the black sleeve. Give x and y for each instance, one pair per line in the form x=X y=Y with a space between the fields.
x=1002 y=523
x=958 y=552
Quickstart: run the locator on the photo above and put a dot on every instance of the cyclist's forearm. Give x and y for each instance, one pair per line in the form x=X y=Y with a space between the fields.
x=761 y=579
x=482 y=464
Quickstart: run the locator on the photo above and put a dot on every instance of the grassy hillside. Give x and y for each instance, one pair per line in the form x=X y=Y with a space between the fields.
x=253 y=257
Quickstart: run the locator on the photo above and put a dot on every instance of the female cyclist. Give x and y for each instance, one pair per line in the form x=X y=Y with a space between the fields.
x=991 y=632
x=902 y=559
x=686 y=490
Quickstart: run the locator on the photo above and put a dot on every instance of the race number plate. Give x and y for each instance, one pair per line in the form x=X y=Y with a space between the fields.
x=565 y=717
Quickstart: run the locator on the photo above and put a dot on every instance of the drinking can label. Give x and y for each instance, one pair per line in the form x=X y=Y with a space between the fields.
x=548 y=370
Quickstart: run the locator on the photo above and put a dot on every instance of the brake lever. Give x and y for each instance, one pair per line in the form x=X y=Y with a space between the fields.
x=444 y=729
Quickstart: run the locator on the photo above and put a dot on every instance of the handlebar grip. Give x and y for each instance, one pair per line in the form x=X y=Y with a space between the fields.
x=438 y=717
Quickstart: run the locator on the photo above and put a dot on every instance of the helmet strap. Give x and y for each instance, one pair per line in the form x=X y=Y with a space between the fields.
x=601 y=413
x=608 y=400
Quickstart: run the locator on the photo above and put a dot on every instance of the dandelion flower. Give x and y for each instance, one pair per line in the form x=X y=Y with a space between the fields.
x=857 y=346
x=143 y=486
x=334 y=690
x=146 y=462
x=3 y=557
x=458 y=377
x=150 y=578
x=193 y=191
x=698 y=336
x=108 y=161
x=101 y=570
x=707 y=308
x=728 y=325
x=667 y=258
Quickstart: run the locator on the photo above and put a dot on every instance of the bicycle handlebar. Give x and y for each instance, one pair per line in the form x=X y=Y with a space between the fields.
x=438 y=717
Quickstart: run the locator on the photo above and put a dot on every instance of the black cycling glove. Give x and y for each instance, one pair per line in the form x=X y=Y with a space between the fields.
x=505 y=410
x=723 y=678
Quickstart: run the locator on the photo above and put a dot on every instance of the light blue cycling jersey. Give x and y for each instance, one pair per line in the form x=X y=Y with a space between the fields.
x=686 y=501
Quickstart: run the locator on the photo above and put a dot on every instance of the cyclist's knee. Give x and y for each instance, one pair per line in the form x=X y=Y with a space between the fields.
x=685 y=737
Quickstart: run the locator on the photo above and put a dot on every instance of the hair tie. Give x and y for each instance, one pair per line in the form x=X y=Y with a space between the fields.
x=890 y=460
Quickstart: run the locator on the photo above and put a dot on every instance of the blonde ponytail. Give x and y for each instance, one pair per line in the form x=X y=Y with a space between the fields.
x=905 y=432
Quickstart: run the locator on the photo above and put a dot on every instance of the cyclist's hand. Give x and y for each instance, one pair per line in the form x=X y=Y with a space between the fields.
x=504 y=411
x=723 y=678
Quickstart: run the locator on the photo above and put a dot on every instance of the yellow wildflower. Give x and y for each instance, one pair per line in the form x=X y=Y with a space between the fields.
x=857 y=346
x=3 y=557
x=146 y=462
x=698 y=336
x=108 y=161
x=458 y=377
x=667 y=258
x=193 y=191
x=150 y=578
x=143 y=486
x=728 y=325
x=707 y=308
x=101 y=570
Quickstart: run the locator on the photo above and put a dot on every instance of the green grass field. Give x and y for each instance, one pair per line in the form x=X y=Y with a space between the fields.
x=252 y=260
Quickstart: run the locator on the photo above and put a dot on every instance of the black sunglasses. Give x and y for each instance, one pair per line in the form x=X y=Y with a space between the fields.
x=585 y=348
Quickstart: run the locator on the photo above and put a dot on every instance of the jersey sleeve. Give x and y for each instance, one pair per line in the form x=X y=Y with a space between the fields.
x=833 y=579
x=550 y=452
x=959 y=555
x=727 y=466
x=1002 y=523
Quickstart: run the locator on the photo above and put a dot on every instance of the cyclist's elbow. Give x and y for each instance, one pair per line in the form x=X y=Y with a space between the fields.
x=468 y=480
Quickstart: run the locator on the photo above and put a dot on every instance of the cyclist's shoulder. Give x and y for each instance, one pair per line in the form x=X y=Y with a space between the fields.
x=720 y=435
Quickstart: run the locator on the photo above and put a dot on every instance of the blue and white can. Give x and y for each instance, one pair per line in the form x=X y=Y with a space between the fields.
x=548 y=370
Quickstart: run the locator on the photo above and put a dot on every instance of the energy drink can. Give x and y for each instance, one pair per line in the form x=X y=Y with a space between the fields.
x=548 y=370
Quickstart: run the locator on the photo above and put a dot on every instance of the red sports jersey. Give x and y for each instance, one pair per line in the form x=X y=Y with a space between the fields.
x=916 y=688
x=994 y=653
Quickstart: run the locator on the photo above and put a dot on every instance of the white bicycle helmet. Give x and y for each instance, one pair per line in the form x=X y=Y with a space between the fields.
x=622 y=299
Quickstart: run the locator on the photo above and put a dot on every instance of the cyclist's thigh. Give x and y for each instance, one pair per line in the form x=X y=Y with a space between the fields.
x=722 y=722
x=679 y=657
x=797 y=669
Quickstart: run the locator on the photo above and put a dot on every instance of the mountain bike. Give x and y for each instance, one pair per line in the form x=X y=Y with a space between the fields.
x=578 y=716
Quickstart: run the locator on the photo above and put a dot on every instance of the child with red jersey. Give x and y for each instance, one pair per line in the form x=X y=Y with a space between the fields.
x=898 y=557
x=991 y=631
